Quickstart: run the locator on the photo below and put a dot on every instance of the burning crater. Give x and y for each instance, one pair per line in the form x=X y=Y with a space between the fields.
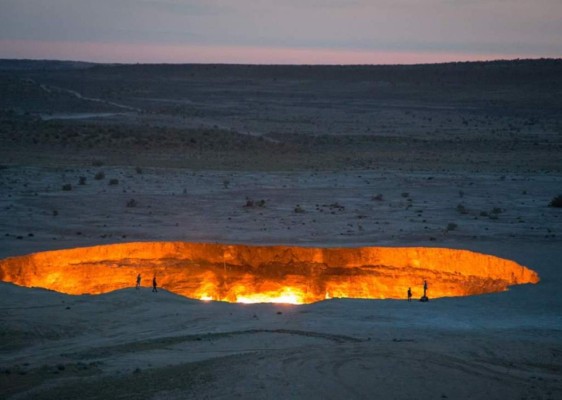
x=250 y=274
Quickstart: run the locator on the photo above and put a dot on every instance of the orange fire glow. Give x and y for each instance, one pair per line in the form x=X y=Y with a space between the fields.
x=254 y=274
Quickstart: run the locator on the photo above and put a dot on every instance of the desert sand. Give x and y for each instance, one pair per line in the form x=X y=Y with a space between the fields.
x=463 y=156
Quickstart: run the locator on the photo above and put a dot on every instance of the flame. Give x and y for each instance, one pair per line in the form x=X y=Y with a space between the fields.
x=274 y=274
x=287 y=296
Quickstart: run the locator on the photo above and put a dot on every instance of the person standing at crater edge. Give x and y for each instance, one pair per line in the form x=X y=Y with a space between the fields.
x=424 y=298
x=138 y=281
x=409 y=294
x=154 y=284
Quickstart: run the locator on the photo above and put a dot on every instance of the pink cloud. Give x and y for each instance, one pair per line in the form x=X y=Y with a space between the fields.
x=147 y=53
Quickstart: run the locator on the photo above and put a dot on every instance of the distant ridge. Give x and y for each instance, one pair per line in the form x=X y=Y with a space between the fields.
x=49 y=65
x=29 y=64
x=544 y=71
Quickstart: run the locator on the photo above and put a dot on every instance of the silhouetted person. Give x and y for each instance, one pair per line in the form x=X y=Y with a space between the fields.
x=138 y=280
x=154 y=284
x=409 y=294
x=424 y=298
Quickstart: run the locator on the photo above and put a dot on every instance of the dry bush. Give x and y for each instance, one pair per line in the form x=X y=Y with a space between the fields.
x=462 y=209
x=251 y=203
x=451 y=226
x=556 y=202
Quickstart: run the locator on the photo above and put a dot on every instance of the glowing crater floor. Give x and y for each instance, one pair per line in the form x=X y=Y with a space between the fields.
x=253 y=274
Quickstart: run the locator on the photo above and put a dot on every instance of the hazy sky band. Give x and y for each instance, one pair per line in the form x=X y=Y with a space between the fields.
x=125 y=53
x=288 y=31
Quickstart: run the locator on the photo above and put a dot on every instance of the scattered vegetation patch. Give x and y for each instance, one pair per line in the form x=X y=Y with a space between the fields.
x=556 y=202
x=132 y=203
x=451 y=226
x=82 y=180
x=336 y=206
x=253 y=204
x=99 y=176
x=331 y=208
x=67 y=187
x=114 y=181
x=461 y=209
x=298 y=209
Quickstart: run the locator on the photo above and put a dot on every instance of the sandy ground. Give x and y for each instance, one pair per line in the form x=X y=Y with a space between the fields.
x=138 y=344
x=483 y=192
x=142 y=345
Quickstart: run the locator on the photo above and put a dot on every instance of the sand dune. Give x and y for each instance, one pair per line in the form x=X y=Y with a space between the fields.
x=462 y=156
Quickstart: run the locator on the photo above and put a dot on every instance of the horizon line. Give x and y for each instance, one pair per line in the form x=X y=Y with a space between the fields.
x=257 y=64
x=136 y=53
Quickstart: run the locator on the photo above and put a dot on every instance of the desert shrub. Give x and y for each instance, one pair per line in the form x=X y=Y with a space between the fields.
x=251 y=203
x=378 y=197
x=97 y=163
x=82 y=180
x=462 y=209
x=451 y=226
x=484 y=213
x=337 y=205
x=556 y=202
x=67 y=187
x=138 y=170
x=405 y=194
x=114 y=181
x=99 y=176
x=299 y=209
x=496 y=210
x=132 y=203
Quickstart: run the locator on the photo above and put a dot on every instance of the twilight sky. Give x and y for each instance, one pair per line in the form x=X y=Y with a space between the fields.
x=280 y=31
